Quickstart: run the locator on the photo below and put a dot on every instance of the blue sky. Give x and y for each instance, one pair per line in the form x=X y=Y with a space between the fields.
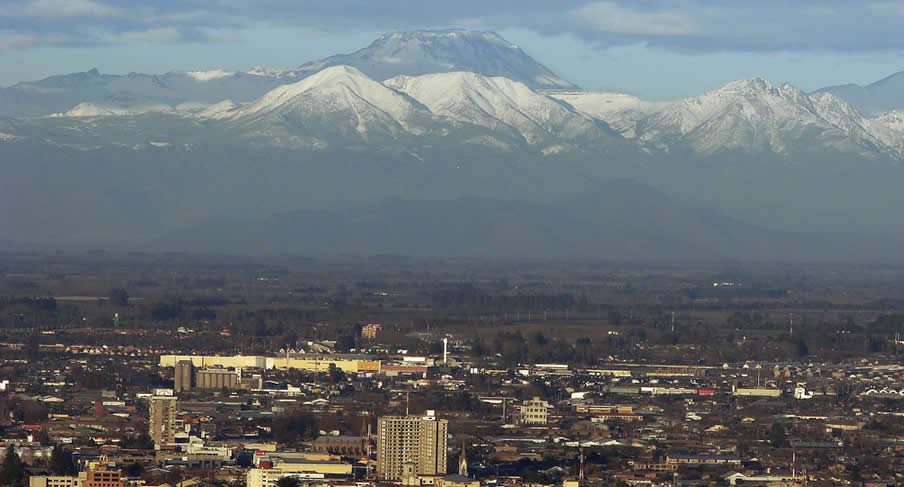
x=652 y=48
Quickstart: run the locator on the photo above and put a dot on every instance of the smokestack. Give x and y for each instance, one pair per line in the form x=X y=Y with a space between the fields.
x=445 y=350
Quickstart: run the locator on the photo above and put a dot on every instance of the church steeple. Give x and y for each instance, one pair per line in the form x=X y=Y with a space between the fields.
x=463 y=462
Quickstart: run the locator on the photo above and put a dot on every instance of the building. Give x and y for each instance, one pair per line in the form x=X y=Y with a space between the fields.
x=163 y=420
x=370 y=330
x=534 y=411
x=103 y=476
x=311 y=362
x=420 y=441
x=341 y=445
x=702 y=459
x=55 y=481
x=263 y=477
x=216 y=378
x=183 y=376
x=99 y=476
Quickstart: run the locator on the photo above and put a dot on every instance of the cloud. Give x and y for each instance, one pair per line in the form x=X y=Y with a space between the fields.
x=695 y=25
x=613 y=18
x=67 y=8
x=16 y=40
x=157 y=35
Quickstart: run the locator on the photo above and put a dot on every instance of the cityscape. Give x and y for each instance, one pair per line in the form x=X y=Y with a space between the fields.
x=263 y=374
x=402 y=243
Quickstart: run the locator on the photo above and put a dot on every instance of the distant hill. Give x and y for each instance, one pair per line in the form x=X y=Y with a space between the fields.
x=618 y=220
x=875 y=98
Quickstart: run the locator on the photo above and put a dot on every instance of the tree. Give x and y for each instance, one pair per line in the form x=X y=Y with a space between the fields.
x=119 y=297
x=294 y=426
x=777 y=435
x=12 y=470
x=287 y=482
x=336 y=374
x=43 y=437
x=133 y=469
x=141 y=442
x=344 y=343
x=61 y=462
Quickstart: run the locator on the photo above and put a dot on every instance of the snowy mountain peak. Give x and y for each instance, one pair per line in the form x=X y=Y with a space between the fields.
x=445 y=35
x=493 y=102
x=425 y=52
x=343 y=91
x=795 y=95
x=752 y=86
x=752 y=114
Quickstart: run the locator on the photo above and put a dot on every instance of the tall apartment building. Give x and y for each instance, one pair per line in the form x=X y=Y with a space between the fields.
x=163 y=420
x=183 y=375
x=420 y=441
x=534 y=411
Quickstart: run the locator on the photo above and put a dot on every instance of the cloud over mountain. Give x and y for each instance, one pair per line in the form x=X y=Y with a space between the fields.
x=680 y=24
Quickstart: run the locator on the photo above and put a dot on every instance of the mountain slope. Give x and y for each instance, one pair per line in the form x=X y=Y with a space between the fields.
x=495 y=103
x=59 y=94
x=874 y=98
x=425 y=52
x=622 y=219
x=619 y=110
x=336 y=99
x=752 y=115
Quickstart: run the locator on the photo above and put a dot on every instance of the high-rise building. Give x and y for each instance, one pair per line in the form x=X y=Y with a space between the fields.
x=163 y=420
x=418 y=440
x=182 y=378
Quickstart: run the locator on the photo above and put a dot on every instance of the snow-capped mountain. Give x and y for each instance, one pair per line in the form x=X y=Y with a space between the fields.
x=494 y=102
x=342 y=97
x=398 y=53
x=130 y=92
x=425 y=52
x=621 y=111
x=754 y=115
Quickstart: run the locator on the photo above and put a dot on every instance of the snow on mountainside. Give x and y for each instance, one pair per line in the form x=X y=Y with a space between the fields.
x=621 y=111
x=208 y=75
x=336 y=90
x=94 y=110
x=493 y=102
x=837 y=112
x=893 y=120
x=752 y=114
x=123 y=93
x=426 y=52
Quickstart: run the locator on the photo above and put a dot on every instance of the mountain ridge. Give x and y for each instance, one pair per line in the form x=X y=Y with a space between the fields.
x=874 y=98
